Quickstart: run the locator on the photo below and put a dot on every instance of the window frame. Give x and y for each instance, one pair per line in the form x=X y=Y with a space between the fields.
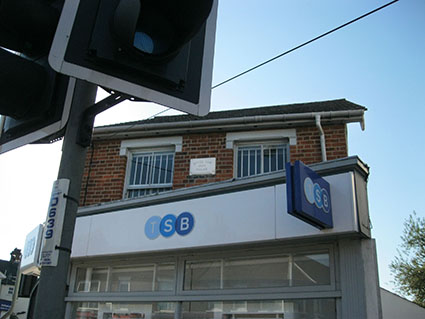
x=129 y=147
x=153 y=151
x=262 y=144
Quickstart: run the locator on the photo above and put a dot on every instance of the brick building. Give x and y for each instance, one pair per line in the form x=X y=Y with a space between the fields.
x=310 y=132
x=185 y=217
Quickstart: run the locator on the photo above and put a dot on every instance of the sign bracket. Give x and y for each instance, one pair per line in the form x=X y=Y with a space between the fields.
x=87 y=118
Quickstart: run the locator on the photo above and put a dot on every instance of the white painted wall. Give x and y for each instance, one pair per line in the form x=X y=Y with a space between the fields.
x=396 y=307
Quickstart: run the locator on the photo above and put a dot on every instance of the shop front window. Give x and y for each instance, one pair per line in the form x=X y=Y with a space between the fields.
x=300 y=308
x=289 y=270
x=121 y=310
x=134 y=278
x=234 y=285
x=263 y=309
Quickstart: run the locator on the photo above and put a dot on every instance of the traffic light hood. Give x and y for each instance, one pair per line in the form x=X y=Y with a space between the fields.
x=158 y=29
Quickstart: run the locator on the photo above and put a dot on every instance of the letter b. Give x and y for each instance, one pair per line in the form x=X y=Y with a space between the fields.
x=184 y=223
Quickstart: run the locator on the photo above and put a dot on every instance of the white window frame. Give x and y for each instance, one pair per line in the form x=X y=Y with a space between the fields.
x=234 y=140
x=262 y=146
x=147 y=145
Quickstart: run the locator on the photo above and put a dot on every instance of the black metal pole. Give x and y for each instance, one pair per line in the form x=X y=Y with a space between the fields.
x=53 y=285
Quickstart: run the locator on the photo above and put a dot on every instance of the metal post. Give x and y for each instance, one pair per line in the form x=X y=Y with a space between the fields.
x=53 y=285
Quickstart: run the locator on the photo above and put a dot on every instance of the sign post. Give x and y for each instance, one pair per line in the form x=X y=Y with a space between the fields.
x=52 y=289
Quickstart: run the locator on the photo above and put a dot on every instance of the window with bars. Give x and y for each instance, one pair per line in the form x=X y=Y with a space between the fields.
x=260 y=159
x=150 y=173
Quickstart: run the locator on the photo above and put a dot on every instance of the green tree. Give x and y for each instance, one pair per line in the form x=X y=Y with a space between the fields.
x=408 y=267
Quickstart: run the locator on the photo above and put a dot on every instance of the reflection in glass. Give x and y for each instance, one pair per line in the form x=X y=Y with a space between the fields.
x=299 y=308
x=312 y=269
x=115 y=310
x=91 y=279
x=258 y=272
x=133 y=278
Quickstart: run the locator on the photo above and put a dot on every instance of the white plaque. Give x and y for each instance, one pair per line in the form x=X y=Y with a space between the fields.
x=202 y=166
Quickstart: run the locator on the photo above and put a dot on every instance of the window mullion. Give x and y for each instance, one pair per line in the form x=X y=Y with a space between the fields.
x=262 y=159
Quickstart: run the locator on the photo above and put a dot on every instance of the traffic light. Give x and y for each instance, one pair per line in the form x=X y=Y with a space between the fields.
x=156 y=50
x=32 y=94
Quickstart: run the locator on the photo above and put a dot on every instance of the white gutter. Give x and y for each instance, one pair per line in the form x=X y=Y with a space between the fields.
x=346 y=116
x=322 y=138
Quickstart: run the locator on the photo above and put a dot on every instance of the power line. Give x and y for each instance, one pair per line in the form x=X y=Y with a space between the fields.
x=304 y=44
x=289 y=51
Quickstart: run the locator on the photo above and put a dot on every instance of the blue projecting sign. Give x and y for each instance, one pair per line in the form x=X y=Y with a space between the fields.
x=309 y=195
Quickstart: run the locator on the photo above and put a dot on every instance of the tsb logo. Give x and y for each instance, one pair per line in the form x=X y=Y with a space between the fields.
x=316 y=195
x=168 y=225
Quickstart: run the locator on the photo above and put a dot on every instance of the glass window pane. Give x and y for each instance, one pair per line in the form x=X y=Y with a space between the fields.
x=145 y=171
x=156 y=169
x=170 y=165
x=252 y=162
x=266 y=159
x=245 y=163
x=115 y=310
x=125 y=279
x=259 y=272
x=142 y=278
x=256 y=272
x=280 y=158
x=248 y=161
x=149 y=171
x=132 y=170
x=239 y=163
x=164 y=277
x=163 y=169
x=273 y=160
x=90 y=279
x=202 y=275
x=138 y=171
x=311 y=269
x=298 y=308
x=258 y=159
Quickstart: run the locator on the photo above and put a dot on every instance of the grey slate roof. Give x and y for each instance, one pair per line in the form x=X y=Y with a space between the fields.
x=321 y=106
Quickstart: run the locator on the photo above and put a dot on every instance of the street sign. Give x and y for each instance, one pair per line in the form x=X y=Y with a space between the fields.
x=54 y=224
x=308 y=195
x=31 y=255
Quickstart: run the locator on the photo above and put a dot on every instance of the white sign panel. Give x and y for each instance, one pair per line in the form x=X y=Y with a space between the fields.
x=54 y=223
x=31 y=253
x=202 y=166
x=255 y=215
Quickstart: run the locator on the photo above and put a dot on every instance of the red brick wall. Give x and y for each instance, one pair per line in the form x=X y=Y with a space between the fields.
x=308 y=147
x=107 y=173
x=200 y=146
x=107 y=169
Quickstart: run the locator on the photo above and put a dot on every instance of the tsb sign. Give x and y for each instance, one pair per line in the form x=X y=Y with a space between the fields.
x=308 y=196
x=168 y=225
